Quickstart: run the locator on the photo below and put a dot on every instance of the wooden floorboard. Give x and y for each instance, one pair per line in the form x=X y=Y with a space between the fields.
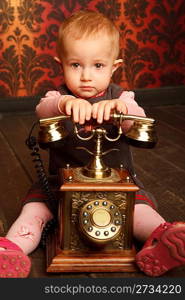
x=162 y=170
x=170 y=118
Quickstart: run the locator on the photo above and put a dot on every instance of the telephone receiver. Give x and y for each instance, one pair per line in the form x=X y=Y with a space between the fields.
x=142 y=133
x=142 y=130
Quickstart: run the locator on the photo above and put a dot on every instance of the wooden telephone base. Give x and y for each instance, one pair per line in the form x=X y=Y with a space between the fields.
x=72 y=247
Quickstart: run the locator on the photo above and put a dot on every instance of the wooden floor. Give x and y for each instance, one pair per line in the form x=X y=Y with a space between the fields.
x=162 y=170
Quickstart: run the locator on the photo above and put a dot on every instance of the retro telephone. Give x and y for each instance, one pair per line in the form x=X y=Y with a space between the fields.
x=95 y=214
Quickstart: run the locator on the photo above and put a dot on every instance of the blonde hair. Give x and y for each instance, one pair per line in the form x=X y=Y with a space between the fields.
x=85 y=23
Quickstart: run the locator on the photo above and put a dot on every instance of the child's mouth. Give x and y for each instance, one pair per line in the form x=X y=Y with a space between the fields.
x=86 y=88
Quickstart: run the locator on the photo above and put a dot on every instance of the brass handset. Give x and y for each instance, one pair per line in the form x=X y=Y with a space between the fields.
x=142 y=130
x=52 y=129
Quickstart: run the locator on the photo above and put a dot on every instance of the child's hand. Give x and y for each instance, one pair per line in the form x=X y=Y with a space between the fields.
x=80 y=109
x=102 y=110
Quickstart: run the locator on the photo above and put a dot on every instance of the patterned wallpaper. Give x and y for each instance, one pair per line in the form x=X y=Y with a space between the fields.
x=152 y=42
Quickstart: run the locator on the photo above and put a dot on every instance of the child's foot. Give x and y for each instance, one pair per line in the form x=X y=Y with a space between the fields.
x=13 y=262
x=164 y=250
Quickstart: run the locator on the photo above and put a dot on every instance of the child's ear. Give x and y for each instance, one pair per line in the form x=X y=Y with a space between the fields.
x=57 y=59
x=117 y=63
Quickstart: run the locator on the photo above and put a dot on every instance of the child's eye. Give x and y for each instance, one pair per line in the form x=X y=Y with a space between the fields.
x=98 y=65
x=75 y=65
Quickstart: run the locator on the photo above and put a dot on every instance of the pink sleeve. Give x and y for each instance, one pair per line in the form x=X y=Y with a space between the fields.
x=48 y=106
x=132 y=107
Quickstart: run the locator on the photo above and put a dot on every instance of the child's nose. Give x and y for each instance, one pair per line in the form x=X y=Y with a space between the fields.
x=85 y=75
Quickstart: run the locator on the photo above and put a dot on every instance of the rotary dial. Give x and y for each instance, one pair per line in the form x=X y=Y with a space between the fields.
x=100 y=220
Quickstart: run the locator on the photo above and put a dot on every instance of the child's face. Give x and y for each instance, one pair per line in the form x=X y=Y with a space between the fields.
x=88 y=65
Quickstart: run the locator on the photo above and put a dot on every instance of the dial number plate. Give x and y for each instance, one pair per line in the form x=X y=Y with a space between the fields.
x=100 y=220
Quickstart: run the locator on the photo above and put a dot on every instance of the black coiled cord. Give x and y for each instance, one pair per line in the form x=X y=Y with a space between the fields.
x=32 y=144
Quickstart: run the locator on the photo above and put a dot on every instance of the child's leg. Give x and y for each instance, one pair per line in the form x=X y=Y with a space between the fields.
x=22 y=238
x=146 y=220
x=27 y=229
x=164 y=248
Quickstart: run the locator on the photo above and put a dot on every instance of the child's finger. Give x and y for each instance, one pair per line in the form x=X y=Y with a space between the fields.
x=88 y=111
x=95 y=110
x=100 y=112
x=82 y=113
x=68 y=108
x=121 y=107
x=107 y=111
x=75 y=113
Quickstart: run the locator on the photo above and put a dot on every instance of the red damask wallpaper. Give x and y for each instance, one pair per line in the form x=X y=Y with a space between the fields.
x=152 y=42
